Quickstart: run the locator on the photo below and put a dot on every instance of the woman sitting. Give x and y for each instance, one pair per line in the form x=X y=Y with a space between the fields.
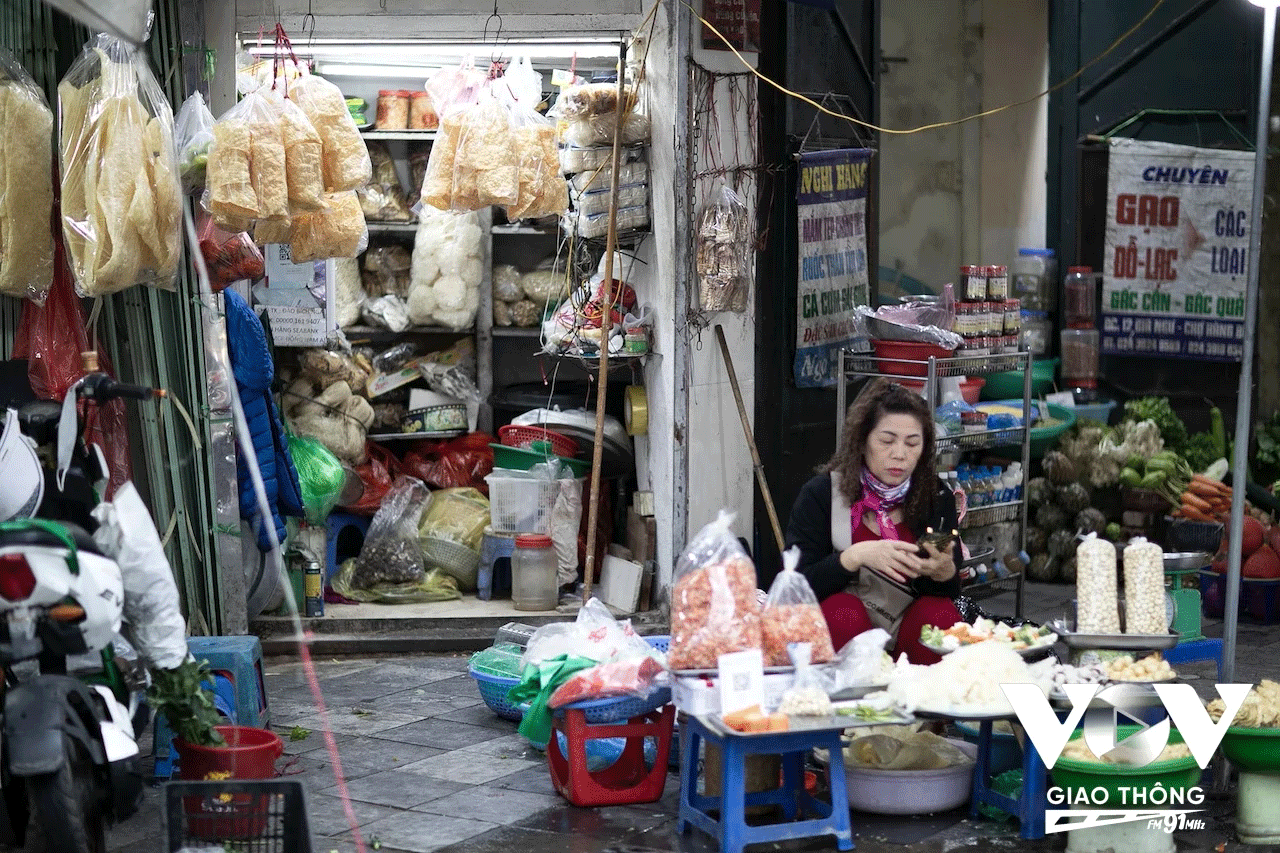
x=857 y=524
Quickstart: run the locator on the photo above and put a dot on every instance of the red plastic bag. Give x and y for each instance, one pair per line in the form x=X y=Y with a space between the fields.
x=463 y=461
x=377 y=475
x=51 y=338
x=621 y=678
x=229 y=257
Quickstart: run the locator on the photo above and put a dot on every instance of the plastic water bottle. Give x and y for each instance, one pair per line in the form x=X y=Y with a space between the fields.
x=1012 y=481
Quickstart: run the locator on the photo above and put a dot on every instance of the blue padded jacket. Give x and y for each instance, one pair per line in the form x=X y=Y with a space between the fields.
x=254 y=372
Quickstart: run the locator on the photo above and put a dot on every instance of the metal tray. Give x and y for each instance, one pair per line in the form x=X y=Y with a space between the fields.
x=797 y=723
x=1144 y=696
x=1116 y=642
x=977 y=715
x=715 y=673
x=1186 y=560
x=857 y=691
x=1027 y=653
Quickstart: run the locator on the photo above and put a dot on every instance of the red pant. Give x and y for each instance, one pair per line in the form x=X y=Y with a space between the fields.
x=847 y=618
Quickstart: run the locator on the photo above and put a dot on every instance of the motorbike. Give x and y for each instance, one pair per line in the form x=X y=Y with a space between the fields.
x=73 y=702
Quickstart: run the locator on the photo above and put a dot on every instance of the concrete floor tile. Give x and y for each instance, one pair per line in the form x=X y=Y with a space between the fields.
x=536 y=780
x=607 y=822
x=326 y=815
x=479 y=714
x=397 y=789
x=508 y=746
x=442 y=734
x=315 y=740
x=419 y=832
x=468 y=767
x=505 y=839
x=425 y=703
x=357 y=720
x=460 y=685
x=383 y=754
x=497 y=805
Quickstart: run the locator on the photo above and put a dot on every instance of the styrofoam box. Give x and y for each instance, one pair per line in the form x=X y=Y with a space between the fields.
x=700 y=695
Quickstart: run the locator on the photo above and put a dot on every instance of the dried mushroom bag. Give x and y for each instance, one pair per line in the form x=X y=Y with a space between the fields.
x=542 y=189
x=121 y=200
x=792 y=615
x=339 y=231
x=26 y=184
x=346 y=160
x=303 y=157
x=714 y=609
x=391 y=552
x=485 y=171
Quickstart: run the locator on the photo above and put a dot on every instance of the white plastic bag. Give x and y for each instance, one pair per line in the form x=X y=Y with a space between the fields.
x=566 y=519
x=193 y=133
x=595 y=634
x=152 y=607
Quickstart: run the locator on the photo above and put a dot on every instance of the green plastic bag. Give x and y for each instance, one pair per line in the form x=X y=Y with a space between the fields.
x=435 y=585
x=320 y=475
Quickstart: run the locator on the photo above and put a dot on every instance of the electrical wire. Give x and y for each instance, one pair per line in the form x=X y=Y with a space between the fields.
x=935 y=125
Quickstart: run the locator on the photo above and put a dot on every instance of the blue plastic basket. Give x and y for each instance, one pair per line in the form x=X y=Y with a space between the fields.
x=493 y=690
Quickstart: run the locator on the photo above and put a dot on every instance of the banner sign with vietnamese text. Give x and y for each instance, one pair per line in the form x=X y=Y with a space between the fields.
x=1177 y=251
x=832 y=206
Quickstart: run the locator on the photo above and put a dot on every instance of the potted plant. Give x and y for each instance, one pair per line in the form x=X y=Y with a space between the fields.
x=208 y=747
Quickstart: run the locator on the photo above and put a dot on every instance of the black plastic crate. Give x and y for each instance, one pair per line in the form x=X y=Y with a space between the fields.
x=1183 y=534
x=247 y=815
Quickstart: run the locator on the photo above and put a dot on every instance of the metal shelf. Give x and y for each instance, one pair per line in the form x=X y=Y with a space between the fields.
x=528 y=230
x=405 y=135
x=983 y=440
x=517 y=331
x=375 y=332
x=991 y=514
x=409 y=436
x=392 y=227
x=868 y=364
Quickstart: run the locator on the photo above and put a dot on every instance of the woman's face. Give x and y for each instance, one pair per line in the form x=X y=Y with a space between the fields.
x=893 y=448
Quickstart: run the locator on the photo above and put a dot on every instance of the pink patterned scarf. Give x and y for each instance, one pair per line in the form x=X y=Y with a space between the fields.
x=878 y=498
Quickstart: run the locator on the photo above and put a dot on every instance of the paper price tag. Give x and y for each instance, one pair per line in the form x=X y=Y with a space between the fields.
x=1061 y=398
x=741 y=680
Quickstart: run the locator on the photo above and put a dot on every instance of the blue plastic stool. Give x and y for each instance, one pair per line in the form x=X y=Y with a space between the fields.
x=494 y=577
x=1029 y=805
x=239 y=659
x=1191 y=651
x=336 y=525
x=166 y=758
x=731 y=829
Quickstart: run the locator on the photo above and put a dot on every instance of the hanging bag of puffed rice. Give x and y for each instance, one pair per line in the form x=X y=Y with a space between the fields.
x=714 y=610
x=792 y=615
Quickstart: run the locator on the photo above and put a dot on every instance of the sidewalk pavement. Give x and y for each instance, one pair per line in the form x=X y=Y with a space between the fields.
x=429 y=768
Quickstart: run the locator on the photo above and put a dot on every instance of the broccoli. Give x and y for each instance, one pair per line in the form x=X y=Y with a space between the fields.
x=1172 y=429
x=1200 y=451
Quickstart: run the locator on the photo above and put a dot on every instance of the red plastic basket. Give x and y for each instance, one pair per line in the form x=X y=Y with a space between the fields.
x=524 y=436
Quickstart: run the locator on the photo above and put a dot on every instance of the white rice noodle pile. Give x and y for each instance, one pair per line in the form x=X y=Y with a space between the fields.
x=968 y=678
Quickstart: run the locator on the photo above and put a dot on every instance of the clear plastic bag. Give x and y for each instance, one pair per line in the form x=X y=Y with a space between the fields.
x=346 y=160
x=434 y=585
x=246 y=171
x=228 y=257
x=714 y=609
x=594 y=634
x=26 y=184
x=451 y=88
x=485 y=167
x=864 y=319
x=391 y=552
x=723 y=252
x=193 y=133
x=457 y=515
x=303 y=156
x=506 y=283
x=524 y=83
x=542 y=189
x=807 y=696
x=792 y=615
x=336 y=232
x=634 y=677
x=861 y=662
x=121 y=199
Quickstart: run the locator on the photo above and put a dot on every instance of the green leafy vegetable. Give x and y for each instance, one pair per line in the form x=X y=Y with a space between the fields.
x=1266 y=462
x=299 y=733
x=1157 y=409
x=183 y=696
x=1201 y=450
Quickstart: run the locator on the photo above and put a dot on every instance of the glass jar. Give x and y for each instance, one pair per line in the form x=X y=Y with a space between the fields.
x=393 y=110
x=533 y=573
x=1035 y=279
x=998 y=283
x=1037 y=332
x=1012 y=317
x=1080 y=358
x=1080 y=293
x=973 y=283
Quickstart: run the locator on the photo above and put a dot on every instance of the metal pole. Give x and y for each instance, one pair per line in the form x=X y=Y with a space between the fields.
x=1244 y=398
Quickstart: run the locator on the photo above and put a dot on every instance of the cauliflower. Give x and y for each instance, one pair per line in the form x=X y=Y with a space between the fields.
x=1131 y=438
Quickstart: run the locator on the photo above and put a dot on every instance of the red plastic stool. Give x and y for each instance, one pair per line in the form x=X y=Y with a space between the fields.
x=627 y=780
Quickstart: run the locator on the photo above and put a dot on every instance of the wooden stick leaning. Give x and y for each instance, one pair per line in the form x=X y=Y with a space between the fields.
x=751 y=441
x=607 y=297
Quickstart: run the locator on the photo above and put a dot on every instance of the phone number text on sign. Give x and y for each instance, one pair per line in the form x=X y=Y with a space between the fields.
x=1176 y=259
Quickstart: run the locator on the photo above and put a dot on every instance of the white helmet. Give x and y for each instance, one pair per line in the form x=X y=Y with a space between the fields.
x=20 y=471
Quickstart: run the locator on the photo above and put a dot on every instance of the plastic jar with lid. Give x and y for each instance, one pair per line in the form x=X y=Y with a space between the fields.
x=1080 y=358
x=1080 y=292
x=393 y=110
x=1035 y=279
x=1037 y=332
x=1012 y=317
x=422 y=115
x=533 y=573
x=973 y=283
x=997 y=283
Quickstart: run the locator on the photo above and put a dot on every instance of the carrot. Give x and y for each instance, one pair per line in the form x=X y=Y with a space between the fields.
x=1202 y=487
x=1192 y=500
x=1195 y=514
x=1206 y=484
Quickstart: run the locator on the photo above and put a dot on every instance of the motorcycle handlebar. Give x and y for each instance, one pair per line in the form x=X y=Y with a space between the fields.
x=101 y=387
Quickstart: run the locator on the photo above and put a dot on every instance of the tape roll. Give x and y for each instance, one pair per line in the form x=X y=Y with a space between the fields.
x=636 y=415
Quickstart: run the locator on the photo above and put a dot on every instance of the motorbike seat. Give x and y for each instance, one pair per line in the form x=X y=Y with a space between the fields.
x=36 y=536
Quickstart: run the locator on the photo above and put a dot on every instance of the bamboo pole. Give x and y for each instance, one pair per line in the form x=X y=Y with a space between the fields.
x=602 y=383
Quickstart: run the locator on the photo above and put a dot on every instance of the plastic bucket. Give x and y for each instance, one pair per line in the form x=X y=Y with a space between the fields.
x=250 y=753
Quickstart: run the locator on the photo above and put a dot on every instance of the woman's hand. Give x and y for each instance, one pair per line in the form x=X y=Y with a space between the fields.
x=939 y=565
x=892 y=558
